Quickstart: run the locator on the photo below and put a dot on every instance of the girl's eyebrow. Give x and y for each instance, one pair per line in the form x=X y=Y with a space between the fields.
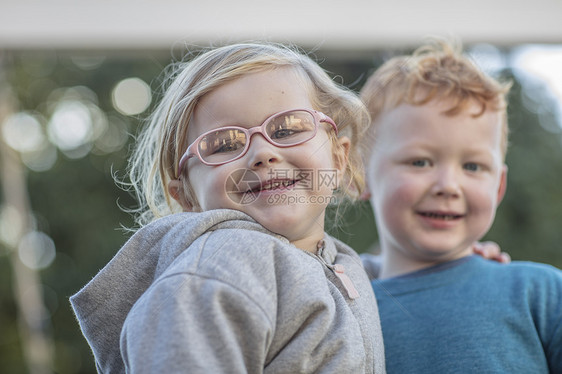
x=210 y=113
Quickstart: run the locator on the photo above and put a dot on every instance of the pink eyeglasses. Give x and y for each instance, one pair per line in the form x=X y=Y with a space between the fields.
x=283 y=129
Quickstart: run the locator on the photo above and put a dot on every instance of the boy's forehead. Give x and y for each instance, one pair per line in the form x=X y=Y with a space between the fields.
x=406 y=120
x=436 y=107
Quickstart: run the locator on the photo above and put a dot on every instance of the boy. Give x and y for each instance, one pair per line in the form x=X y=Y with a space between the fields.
x=436 y=174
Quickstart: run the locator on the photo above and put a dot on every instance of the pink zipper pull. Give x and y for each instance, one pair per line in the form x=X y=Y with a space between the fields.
x=346 y=281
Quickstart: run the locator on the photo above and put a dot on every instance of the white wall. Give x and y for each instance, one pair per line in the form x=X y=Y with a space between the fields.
x=338 y=24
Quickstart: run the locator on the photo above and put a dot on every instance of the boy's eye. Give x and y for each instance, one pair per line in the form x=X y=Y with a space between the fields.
x=471 y=166
x=420 y=163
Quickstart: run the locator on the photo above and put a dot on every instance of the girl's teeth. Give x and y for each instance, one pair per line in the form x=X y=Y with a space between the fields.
x=277 y=184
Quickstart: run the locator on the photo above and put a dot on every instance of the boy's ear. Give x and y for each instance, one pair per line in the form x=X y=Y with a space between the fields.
x=175 y=189
x=503 y=184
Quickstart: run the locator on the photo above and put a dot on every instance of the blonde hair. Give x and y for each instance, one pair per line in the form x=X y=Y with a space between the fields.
x=162 y=142
x=434 y=71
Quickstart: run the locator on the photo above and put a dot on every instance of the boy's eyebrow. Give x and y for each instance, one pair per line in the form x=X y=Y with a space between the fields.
x=422 y=144
x=485 y=154
x=415 y=142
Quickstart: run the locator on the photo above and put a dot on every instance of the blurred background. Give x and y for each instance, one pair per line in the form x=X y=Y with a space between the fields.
x=77 y=78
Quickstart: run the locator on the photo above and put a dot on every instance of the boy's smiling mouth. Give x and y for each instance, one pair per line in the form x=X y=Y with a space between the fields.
x=445 y=216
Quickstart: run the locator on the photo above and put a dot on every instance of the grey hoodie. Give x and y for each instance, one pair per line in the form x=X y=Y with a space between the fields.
x=215 y=292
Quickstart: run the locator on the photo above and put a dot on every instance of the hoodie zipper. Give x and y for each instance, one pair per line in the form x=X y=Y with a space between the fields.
x=339 y=272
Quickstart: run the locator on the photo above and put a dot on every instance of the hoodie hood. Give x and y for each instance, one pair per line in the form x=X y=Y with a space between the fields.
x=103 y=304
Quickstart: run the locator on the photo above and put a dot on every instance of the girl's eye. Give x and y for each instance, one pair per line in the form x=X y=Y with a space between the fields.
x=282 y=133
x=225 y=146
x=471 y=166
x=420 y=163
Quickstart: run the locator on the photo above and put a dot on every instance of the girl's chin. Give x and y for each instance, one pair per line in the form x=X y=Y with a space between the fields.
x=284 y=226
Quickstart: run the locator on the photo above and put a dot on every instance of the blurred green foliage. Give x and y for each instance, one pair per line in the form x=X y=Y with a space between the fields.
x=76 y=202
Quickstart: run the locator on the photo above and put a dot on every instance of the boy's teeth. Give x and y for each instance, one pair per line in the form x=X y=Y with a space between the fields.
x=446 y=217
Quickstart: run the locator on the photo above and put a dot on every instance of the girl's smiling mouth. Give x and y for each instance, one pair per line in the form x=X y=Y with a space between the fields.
x=274 y=185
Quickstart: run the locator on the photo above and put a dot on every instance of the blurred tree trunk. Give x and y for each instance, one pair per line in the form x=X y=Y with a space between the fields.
x=36 y=343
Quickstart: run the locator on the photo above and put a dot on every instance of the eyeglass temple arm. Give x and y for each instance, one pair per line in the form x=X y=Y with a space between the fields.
x=186 y=156
x=325 y=118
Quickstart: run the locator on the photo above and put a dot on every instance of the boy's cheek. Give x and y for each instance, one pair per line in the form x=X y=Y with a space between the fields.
x=386 y=180
x=394 y=193
x=380 y=172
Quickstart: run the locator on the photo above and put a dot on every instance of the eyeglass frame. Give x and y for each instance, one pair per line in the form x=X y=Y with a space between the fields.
x=318 y=117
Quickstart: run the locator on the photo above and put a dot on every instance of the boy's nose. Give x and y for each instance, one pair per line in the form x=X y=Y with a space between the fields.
x=446 y=183
x=261 y=152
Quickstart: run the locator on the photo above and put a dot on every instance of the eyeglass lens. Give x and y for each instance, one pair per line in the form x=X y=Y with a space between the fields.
x=284 y=130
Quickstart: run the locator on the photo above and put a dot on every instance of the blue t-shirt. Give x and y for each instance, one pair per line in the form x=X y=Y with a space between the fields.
x=473 y=316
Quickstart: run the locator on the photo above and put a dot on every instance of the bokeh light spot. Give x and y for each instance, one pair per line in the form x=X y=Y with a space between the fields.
x=488 y=57
x=131 y=96
x=538 y=69
x=23 y=132
x=114 y=137
x=40 y=160
x=87 y=62
x=71 y=125
x=36 y=250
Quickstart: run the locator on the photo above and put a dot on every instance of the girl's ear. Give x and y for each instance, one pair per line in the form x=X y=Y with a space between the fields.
x=175 y=189
x=366 y=195
x=341 y=153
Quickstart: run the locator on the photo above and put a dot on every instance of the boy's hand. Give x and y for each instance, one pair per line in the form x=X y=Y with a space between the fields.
x=491 y=251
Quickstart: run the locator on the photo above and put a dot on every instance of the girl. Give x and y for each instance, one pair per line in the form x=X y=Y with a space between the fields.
x=234 y=273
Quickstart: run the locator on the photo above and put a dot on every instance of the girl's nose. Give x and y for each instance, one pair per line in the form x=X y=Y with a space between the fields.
x=262 y=153
x=446 y=183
